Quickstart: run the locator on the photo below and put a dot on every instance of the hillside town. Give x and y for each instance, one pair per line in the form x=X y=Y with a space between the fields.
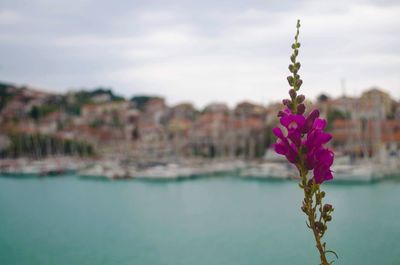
x=145 y=130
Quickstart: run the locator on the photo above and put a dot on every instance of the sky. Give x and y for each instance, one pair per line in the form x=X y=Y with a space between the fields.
x=201 y=51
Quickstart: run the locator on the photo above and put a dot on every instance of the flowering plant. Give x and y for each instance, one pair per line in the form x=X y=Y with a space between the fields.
x=301 y=140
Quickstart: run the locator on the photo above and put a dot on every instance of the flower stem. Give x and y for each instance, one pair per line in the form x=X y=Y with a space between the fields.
x=310 y=212
x=317 y=240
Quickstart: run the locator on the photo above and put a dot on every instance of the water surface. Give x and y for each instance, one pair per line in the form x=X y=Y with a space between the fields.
x=210 y=221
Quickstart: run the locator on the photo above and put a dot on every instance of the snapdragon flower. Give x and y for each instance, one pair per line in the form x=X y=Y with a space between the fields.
x=302 y=139
x=304 y=142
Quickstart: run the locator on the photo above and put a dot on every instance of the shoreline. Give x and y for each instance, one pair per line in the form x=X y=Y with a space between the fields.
x=183 y=169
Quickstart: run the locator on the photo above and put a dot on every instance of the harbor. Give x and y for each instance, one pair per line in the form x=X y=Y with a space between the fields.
x=112 y=138
x=199 y=132
x=360 y=171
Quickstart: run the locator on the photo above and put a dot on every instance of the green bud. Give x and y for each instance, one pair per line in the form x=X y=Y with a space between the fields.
x=318 y=199
x=328 y=218
x=300 y=98
x=290 y=80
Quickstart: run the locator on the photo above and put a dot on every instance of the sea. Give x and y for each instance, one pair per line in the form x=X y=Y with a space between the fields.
x=219 y=220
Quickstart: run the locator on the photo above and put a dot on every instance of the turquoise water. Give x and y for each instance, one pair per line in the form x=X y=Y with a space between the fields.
x=210 y=221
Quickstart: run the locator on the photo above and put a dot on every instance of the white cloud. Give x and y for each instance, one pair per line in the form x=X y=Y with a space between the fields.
x=159 y=16
x=203 y=78
x=230 y=55
x=9 y=17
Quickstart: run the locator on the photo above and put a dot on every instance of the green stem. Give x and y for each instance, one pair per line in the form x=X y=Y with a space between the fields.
x=310 y=212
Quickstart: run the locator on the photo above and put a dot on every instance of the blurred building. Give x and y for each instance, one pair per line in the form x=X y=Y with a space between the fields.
x=147 y=129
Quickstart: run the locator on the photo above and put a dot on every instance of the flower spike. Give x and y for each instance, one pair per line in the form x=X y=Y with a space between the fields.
x=302 y=142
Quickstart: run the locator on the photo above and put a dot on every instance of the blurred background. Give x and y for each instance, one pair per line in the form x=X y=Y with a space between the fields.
x=177 y=99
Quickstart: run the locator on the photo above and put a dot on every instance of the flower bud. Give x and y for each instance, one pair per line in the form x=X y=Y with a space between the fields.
x=301 y=108
x=300 y=98
x=293 y=58
x=290 y=80
x=297 y=65
x=320 y=226
x=327 y=207
x=291 y=68
x=317 y=199
x=310 y=120
x=309 y=183
x=281 y=114
x=299 y=83
x=328 y=218
x=313 y=115
x=292 y=93
x=322 y=194
x=286 y=102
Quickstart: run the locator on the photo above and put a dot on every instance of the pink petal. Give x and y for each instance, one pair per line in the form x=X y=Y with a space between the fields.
x=278 y=132
x=319 y=124
x=293 y=122
x=280 y=148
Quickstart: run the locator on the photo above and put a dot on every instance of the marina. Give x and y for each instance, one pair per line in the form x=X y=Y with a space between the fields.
x=199 y=133
x=362 y=171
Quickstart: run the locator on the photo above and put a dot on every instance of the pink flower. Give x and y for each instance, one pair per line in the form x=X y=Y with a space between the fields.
x=304 y=140
x=284 y=147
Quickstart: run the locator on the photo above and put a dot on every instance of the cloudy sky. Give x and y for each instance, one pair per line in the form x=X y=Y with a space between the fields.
x=200 y=51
